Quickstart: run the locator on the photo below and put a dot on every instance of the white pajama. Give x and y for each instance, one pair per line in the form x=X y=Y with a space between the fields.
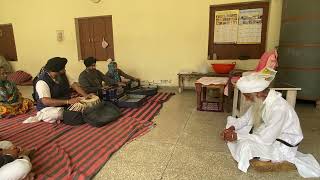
x=48 y=114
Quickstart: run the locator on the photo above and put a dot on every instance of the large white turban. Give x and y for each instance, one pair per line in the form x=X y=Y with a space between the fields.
x=252 y=83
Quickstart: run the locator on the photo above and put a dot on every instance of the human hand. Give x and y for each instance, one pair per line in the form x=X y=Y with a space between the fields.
x=125 y=80
x=230 y=136
x=74 y=100
x=230 y=129
x=122 y=84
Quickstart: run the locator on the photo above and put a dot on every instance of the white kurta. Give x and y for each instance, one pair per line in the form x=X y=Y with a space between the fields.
x=17 y=169
x=280 y=121
x=48 y=114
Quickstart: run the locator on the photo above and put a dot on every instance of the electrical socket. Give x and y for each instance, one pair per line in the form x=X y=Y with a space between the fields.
x=157 y=82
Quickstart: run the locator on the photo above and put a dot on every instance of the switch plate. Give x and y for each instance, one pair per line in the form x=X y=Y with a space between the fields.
x=60 y=35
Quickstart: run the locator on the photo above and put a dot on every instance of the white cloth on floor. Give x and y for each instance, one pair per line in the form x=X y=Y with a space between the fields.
x=48 y=114
x=280 y=121
x=16 y=170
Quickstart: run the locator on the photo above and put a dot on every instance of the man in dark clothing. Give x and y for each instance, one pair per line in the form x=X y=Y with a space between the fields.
x=52 y=90
x=91 y=79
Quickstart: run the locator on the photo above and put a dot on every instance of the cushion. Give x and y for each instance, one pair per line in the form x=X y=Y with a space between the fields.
x=268 y=59
x=19 y=77
x=268 y=166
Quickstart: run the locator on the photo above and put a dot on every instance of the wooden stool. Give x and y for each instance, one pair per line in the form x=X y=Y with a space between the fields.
x=201 y=90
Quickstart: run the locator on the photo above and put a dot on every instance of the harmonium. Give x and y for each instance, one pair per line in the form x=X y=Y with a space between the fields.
x=133 y=98
x=112 y=94
x=144 y=90
x=131 y=101
x=137 y=97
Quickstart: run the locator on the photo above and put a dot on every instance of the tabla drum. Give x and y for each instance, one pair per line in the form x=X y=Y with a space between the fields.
x=85 y=103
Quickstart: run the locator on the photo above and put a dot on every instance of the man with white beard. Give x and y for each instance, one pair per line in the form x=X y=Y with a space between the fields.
x=270 y=130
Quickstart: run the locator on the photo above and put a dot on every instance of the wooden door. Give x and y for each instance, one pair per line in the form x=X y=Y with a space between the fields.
x=85 y=31
x=109 y=37
x=91 y=31
x=7 y=43
x=98 y=35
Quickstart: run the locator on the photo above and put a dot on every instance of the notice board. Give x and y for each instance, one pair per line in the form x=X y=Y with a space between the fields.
x=238 y=30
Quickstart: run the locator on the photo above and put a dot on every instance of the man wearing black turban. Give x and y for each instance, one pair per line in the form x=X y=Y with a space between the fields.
x=52 y=89
x=91 y=79
x=56 y=64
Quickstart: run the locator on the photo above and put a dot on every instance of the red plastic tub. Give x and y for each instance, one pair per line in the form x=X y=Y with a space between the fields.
x=223 y=68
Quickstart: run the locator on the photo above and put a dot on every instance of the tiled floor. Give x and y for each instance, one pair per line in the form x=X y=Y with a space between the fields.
x=186 y=145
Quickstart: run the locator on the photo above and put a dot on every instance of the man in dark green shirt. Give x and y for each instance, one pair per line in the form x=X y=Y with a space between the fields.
x=91 y=79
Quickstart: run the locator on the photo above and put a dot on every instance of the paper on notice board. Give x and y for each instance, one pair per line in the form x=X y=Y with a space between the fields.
x=250 y=26
x=226 y=26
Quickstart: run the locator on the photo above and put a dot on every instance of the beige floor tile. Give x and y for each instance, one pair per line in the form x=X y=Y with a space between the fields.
x=212 y=143
x=198 y=128
x=147 y=153
x=190 y=157
x=252 y=174
x=226 y=174
x=177 y=117
x=129 y=171
x=169 y=136
x=201 y=174
x=211 y=119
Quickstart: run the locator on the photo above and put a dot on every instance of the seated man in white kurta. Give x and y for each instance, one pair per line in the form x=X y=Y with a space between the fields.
x=52 y=91
x=269 y=130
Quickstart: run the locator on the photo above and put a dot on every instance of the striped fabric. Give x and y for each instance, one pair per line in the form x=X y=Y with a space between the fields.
x=20 y=77
x=79 y=152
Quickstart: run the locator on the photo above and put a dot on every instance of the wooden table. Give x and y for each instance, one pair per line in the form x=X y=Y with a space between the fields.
x=201 y=90
x=195 y=75
x=291 y=97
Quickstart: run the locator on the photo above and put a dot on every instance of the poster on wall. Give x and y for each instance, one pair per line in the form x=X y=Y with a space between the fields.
x=226 y=26
x=250 y=26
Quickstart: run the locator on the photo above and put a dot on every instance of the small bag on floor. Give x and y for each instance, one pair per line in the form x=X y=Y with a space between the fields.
x=73 y=118
x=101 y=114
